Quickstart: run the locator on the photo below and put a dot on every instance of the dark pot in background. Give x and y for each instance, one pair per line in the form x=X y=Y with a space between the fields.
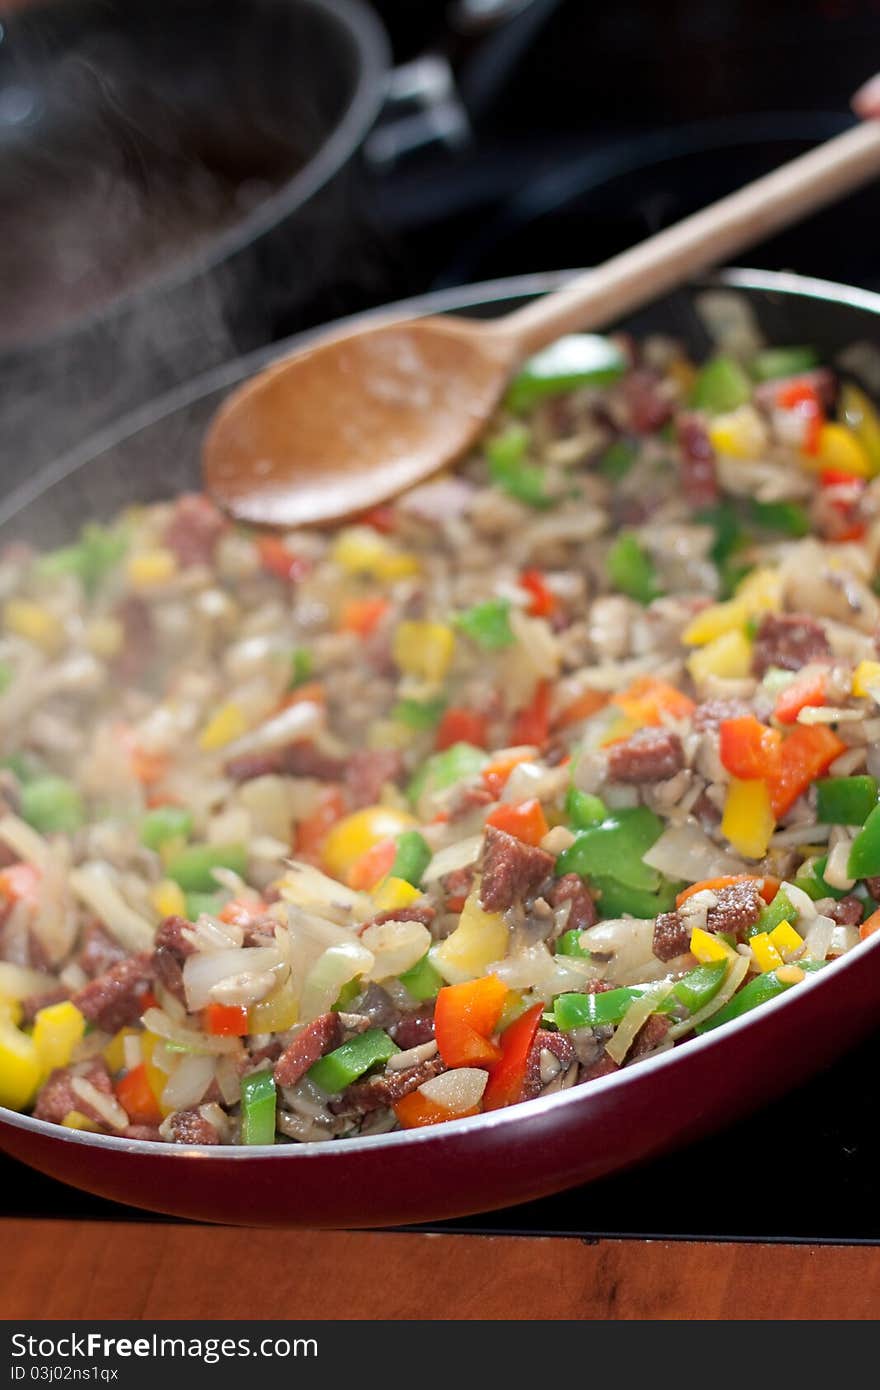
x=210 y=142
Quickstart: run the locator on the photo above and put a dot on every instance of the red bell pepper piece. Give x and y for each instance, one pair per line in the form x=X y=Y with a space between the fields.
x=801 y=396
x=415 y=1110
x=523 y=819
x=240 y=913
x=314 y=829
x=465 y=1017
x=496 y=773
x=507 y=1078
x=747 y=748
x=278 y=560
x=135 y=1095
x=532 y=723
x=584 y=707
x=382 y=518
x=461 y=726
x=225 y=1020
x=544 y=602
x=805 y=690
x=649 y=699
x=372 y=866
x=363 y=615
x=807 y=753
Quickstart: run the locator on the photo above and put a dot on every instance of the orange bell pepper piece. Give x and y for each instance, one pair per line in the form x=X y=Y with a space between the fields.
x=363 y=615
x=747 y=748
x=20 y=883
x=805 y=690
x=415 y=1110
x=495 y=774
x=278 y=560
x=508 y=1077
x=870 y=926
x=239 y=913
x=136 y=1096
x=314 y=829
x=584 y=707
x=523 y=819
x=225 y=1020
x=372 y=866
x=544 y=602
x=768 y=887
x=465 y=1016
x=807 y=753
x=461 y=726
x=648 y=700
x=532 y=723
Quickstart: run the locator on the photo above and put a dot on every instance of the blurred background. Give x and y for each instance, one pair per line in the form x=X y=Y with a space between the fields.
x=183 y=180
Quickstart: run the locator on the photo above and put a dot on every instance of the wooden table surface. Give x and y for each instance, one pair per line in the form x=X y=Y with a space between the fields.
x=103 y=1269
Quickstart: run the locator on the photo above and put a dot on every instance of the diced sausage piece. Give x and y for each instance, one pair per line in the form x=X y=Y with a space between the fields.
x=57 y=1097
x=195 y=527
x=649 y=1036
x=457 y=885
x=648 y=408
x=192 y=1127
x=511 y=869
x=172 y=949
x=789 y=641
x=707 y=716
x=468 y=799
x=147 y=1133
x=649 y=755
x=415 y=1028
x=367 y=772
x=738 y=907
x=380 y=1092
x=135 y=657
x=561 y=1047
x=873 y=886
x=847 y=912
x=572 y=889
x=171 y=936
x=98 y=951
x=699 y=477
x=298 y=759
x=31 y=1006
x=603 y=1066
x=671 y=936
x=115 y=998
x=311 y=1042
x=425 y=915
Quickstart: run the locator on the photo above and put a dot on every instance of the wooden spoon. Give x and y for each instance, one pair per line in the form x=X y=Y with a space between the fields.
x=356 y=418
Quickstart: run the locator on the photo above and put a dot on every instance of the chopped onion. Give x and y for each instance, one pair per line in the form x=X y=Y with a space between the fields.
x=800 y=835
x=300 y=721
x=206 y=969
x=413 y=1055
x=93 y=884
x=19 y=981
x=843 y=939
x=228 y=1080
x=630 y=943
x=739 y=968
x=457 y=856
x=458 y=1090
x=531 y=779
x=331 y=971
x=157 y=1021
x=835 y=871
x=24 y=841
x=685 y=851
x=305 y=886
x=818 y=937
x=396 y=946
x=188 y=1082
x=637 y=1014
x=107 y=1107
x=806 y=908
x=535 y=969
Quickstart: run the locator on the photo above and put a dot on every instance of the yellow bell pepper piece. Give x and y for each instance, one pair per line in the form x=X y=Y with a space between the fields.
x=740 y=434
x=708 y=947
x=424 y=649
x=760 y=591
x=355 y=834
x=786 y=939
x=748 y=820
x=361 y=550
x=728 y=656
x=866 y=674
x=151 y=567
x=57 y=1030
x=104 y=637
x=114 y=1052
x=75 y=1119
x=168 y=899
x=480 y=939
x=620 y=728
x=20 y=1072
x=715 y=621
x=156 y=1077
x=765 y=952
x=10 y=1010
x=34 y=623
x=228 y=723
x=840 y=450
x=856 y=410
x=394 y=892
x=277 y=1012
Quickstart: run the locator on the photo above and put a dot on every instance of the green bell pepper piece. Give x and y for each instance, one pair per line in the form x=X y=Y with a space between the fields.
x=580 y=359
x=412 y=858
x=569 y=944
x=615 y=848
x=165 y=823
x=810 y=880
x=758 y=991
x=618 y=899
x=700 y=985
x=349 y=992
x=845 y=800
x=344 y=1065
x=864 y=855
x=510 y=469
x=583 y=809
x=419 y=714
x=782 y=909
x=193 y=868
x=423 y=980
x=789 y=518
x=52 y=804
x=301 y=667
x=721 y=385
x=771 y=363
x=25 y=766
x=197 y=903
x=601 y=1010
x=617 y=461
x=95 y=554
x=631 y=569
x=258 y=1108
x=488 y=624
x=442 y=770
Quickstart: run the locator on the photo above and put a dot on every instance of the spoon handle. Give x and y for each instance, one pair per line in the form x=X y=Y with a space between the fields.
x=642 y=273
